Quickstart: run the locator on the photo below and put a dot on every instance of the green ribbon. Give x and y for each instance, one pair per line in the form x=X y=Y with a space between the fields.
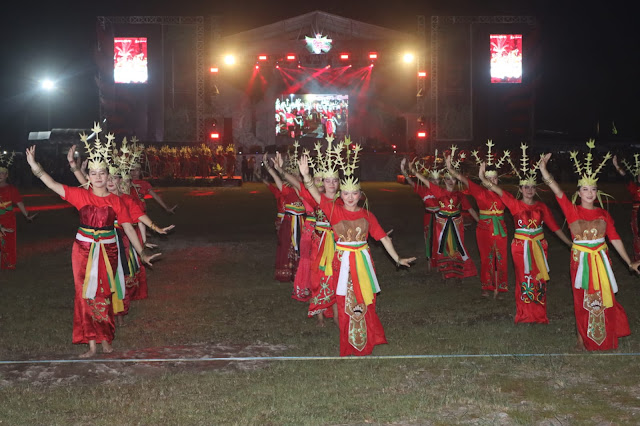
x=498 y=229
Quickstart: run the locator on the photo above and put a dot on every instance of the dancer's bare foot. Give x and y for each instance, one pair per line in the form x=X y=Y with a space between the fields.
x=484 y=293
x=580 y=344
x=92 y=350
x=106 y=347
x=334 y=307
x=320 y=318
x=120 y=321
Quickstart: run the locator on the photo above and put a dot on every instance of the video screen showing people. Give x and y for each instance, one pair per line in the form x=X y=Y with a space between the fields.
x=506 y=58
x=130 y=60
x=315 y=116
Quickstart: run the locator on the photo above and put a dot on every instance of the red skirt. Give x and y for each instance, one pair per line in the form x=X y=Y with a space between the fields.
x=286 y=256
x=634 y=231
x=359 y=334
x=599 y=328
x=137 y=286
x=8 y=246
x=92 y=318
x=452 y=265
x=493 y=256
x=531 y=293
x=302 y=282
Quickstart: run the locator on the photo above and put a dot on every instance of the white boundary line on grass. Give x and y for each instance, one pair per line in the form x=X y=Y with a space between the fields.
x=313 y=358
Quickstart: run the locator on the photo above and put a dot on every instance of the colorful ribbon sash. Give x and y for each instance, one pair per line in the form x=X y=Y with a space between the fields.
x=98 y=239
x=326 y=248
x=428 y=236
x=297 y=213
x=533 y=251
x=594 y=270
x=497 y=218
x=355 y=259
x=449 y=241
x=6 y=207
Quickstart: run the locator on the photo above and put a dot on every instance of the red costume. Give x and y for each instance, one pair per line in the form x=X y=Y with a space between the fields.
x=289 y=233
x=95 y=263
x=9 y=198
x=302 y=281
x=357 y=285
x=491 y=237
x=600 y=319
x=142 y=188
x=529 y=252
x=634 y=190
x=453 y=259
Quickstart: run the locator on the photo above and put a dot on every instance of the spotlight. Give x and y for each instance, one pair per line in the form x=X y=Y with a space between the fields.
x=422 y=134
x=48 y=84
x=373 y=55
x=408 y=58
x=214 y=135
x=213 y=70
x=422 y=74
x=262 y=57
x=257 y=67
x=229 y=59
x=344 y=56
x=291 y=57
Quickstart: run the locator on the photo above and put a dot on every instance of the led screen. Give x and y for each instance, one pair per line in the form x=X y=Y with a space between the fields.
x=130 y=60
x=506 y=58
x=315 y=116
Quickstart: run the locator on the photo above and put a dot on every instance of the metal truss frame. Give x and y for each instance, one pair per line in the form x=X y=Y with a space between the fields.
x=198 y=21
x=437 y=22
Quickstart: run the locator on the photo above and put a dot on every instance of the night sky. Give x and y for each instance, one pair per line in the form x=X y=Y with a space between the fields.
x=591 y=55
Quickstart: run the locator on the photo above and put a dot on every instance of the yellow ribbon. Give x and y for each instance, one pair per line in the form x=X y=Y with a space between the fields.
x=365 y=280
x=328 y=251
x=598 y=272
x=536 y=250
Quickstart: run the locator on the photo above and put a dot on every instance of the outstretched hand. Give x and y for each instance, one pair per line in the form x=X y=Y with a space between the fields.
x=70 y=155
x=31 y=156
x=406 y=261
x=543 y=162
x=147 y=259
x=4 y=230
x=482 y=169
x=164 y=231
x=634 y=267
x=30 y=217
x=303 y=165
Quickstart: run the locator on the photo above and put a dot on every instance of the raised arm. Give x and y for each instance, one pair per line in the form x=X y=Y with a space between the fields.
x=303 y=164
x=485 y=182
x=403 y=169
x=277 y=164
x=39 y=172
x=73 y=165
x=423 y=179
x=547 y=178
x=453 y=172
x=563 y=237
x=273 y=173
x=619 y=169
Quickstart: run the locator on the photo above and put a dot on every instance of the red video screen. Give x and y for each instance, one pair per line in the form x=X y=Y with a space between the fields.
x=130 y=60
x=316 y=116
x=506 y=58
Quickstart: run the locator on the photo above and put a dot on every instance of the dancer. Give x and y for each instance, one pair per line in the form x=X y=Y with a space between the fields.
x=453 y=258
x=529 y=246
x=144 y=188
x=491 y=234
x=357 y=285
x=633 y=186
x=600 y=319
x=9 y=199
x=431 y=206
x=95 y=252
x=288 y=251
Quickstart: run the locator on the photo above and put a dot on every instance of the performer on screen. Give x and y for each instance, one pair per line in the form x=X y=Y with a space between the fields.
x=357 y=285
x=600 y=319
x=10 y=198
x=95 y=251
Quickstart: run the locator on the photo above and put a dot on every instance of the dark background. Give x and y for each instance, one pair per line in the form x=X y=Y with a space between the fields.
x=590 y=55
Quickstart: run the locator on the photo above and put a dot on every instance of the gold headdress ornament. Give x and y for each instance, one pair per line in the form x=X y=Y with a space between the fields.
x=348 y=165
x=527 y=174
x=429 y=168
x=99 y=153
x=6 y=160
x=291 y=163
x=318 y=164
x=635 y=170
x=126 y=158
x=231 y=148
x=330 y=159
x=455 y=160
x=491 y=157
x=588 y=177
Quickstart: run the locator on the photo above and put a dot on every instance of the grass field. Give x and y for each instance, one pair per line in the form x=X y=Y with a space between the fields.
x=213 y=295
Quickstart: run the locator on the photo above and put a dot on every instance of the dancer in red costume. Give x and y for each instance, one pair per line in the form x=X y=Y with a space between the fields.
x=431 y=208
x=10 y=198
x=357 y=285
x=600 y=319
x=144 y=188
x=134 y=272
x=491 y=233
x=453 y=258
x=289 y=230
x=528 y=247
x=633 y=186
x=95 y=252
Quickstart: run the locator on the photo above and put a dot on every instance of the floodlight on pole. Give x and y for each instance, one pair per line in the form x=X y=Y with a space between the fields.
x=408 y=58
x=229 y=59
x=47 y=84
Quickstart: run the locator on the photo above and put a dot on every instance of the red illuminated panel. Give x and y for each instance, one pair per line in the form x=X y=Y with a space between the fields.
x=506 y=58
x=373 y=55
x=214 y=70
x=422 y=135
x=291 y=57
x=344 y=56
x=262 y=57
x=130 y=60
x=214 y=135
x=422 y=74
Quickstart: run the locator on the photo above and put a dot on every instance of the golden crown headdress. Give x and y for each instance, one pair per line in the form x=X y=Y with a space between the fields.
x=6 y=160
x=456 y=160
x=99 y=153
x=428 y=166
x=348 y=165
x=126 y=158
x=588 y=176
x=635 y=170
x=527 y=173
x=492 y=159
x=330 y=160
x=291 y=163
x=231 y=148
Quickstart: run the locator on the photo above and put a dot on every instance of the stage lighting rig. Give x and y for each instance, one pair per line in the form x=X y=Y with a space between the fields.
x=408 y=58
x=230 y=59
